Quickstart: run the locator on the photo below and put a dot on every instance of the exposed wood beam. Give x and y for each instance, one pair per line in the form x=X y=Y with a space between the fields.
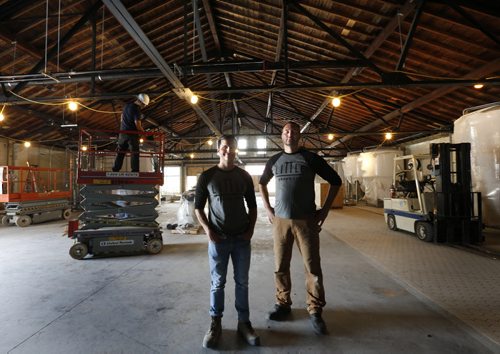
x=473 y=21
x=53 y=51
x=133 y=28
x=490 y=7
x=377 y=42
x=11 y=7
x=213 y=27
x=487 y=69
x=336 y=36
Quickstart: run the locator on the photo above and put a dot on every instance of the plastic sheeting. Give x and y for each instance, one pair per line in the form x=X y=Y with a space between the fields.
x=482 y=130
x=373 y=170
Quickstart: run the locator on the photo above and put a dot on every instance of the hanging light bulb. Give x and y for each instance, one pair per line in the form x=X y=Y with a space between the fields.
x=388 y=136
x=478 y=86
x=191 y=156
x=336 y=102
x=84 y=147
x=27 y=144
x=330 y=137
x=141 y=140
x=2 y=117
x=194 y=99
x=72 y=106
x=210 y=143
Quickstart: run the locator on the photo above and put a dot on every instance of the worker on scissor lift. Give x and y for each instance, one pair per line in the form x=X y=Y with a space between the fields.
x=131 y=121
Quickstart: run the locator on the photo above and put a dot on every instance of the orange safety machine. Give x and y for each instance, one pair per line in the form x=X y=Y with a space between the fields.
x=119 y=215
x=34 y=194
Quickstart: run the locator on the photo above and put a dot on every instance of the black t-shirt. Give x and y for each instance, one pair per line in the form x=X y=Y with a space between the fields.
x=131 y=113
x=226 y=192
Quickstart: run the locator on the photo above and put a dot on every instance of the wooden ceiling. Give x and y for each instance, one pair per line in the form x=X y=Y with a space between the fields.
x=402 y=66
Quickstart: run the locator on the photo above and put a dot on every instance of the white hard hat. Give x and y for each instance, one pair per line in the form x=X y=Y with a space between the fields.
x=144 y=98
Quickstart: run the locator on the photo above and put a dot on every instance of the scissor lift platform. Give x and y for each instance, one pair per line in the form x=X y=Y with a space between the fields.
x=119 y=216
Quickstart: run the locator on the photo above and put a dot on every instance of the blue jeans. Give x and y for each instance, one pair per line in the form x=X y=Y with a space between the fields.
x=218 y=259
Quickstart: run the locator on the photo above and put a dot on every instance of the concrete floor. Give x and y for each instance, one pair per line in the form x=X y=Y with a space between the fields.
x=375 y=280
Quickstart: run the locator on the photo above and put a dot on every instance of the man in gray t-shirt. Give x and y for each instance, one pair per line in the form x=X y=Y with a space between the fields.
x=229 y=228
x=295 y=218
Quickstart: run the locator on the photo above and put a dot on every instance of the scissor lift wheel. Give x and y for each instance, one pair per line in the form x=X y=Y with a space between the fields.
x=154 y=245
x=23 y=220
x=66 y=214
x=5 y=220
x=78 y=250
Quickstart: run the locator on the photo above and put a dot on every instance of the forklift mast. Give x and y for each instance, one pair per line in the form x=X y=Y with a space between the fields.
x=458 y=212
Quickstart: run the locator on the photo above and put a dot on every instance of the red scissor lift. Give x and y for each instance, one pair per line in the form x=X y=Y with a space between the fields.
x=119 y=215
x=34 y=194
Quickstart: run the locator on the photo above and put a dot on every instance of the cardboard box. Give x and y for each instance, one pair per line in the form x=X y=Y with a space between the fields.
x=321 y=192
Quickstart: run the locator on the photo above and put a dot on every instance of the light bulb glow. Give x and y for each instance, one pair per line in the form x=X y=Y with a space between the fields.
x=191 y=156
x=478 y=86
x=27 y=144
x=388 y=136
x=330 y=136
x=141 y=140
x=84 y=147
x=210 y=143
x=2 y=117
x=336 y=102
x=72 y=106
x=194 y=99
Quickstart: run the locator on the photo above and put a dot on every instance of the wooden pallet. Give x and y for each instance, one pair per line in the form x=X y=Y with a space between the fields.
x=190 y=231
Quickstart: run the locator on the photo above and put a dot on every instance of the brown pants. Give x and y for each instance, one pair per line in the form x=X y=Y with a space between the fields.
x=285 y=232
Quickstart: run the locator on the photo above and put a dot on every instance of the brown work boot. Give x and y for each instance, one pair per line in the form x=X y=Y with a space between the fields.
x=247 y=333
x=211 y=339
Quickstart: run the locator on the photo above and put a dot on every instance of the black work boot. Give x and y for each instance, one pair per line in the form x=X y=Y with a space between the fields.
x=247 y=332
x=211 y=339
x=279 y=312
x=318 y=324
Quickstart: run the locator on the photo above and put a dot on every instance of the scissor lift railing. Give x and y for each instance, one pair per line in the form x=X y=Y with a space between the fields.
x=34 y=194
x=22 y=184
x=97 y=152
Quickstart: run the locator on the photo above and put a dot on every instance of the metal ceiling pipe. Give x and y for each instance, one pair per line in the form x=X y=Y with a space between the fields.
x=198 y=69
x=262 y=65
x=276 y=135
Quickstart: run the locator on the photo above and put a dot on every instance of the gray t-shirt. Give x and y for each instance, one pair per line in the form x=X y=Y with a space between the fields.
x=295 y=182
x=226 y=192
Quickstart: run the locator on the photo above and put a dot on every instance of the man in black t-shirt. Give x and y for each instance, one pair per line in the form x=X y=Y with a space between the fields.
x=295 y=218
x=229 y=228
x=130 y=121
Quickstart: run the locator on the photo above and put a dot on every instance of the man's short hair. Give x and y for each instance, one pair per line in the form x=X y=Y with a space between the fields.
x=292 y=123
x=227 y=138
